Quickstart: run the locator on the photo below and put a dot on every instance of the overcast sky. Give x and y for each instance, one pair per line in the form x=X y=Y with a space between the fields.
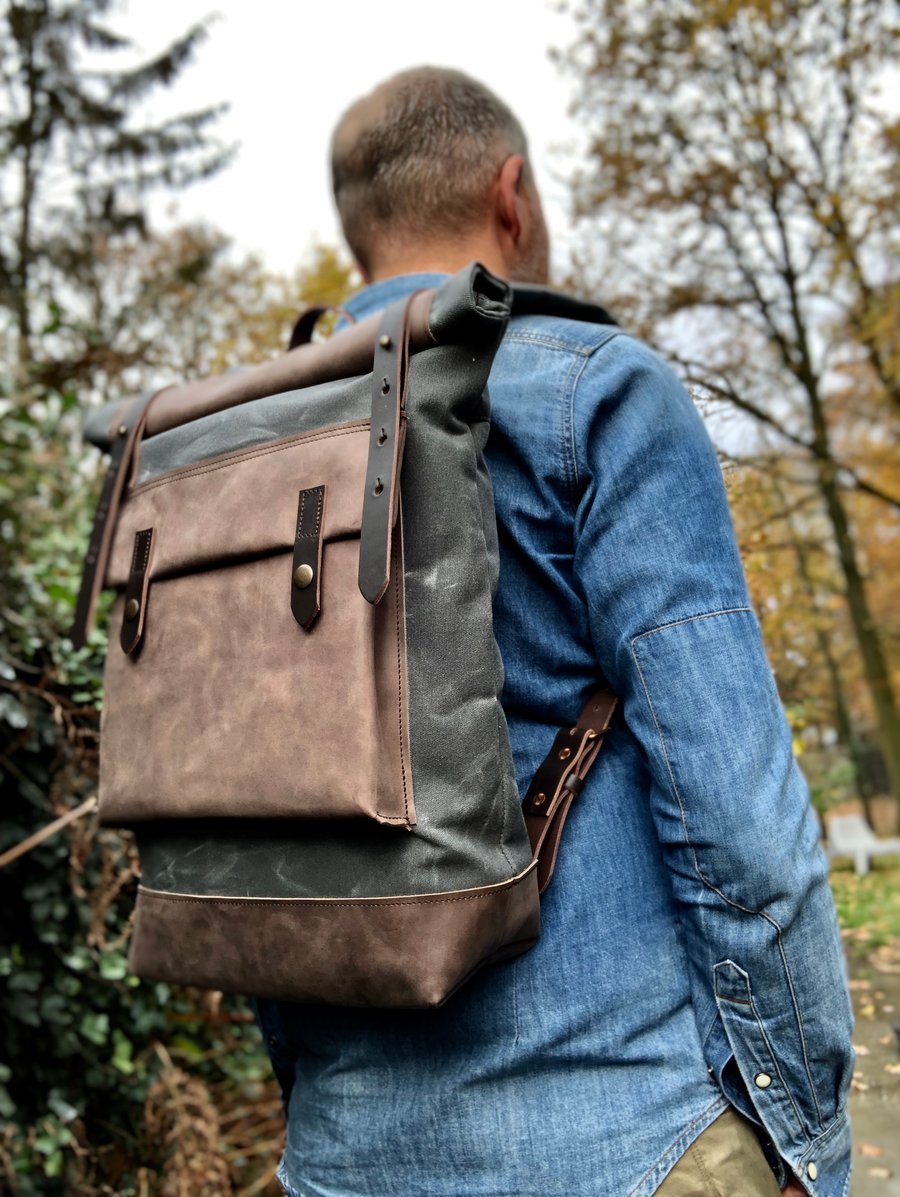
x=288 y=68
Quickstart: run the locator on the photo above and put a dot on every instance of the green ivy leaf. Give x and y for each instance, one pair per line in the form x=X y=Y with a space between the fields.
x=95 y=1027
x=122 y=1053
x=113 y=966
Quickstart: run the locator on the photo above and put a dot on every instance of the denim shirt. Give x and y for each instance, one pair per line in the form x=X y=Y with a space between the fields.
x=690 y=956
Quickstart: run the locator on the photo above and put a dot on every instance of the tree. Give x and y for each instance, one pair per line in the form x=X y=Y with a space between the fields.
x=76 y=162
x=743 y=177
x=107 y=1085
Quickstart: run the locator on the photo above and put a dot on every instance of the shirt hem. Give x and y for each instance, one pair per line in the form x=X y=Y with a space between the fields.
x=656 y=1174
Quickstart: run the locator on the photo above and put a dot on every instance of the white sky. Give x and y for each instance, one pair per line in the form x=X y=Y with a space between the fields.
x=288 y=68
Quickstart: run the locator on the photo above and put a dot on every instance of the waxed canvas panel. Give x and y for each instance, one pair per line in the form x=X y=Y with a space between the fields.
x=469 y=829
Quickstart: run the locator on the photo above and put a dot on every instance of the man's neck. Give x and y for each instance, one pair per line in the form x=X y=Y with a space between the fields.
x=440 y=259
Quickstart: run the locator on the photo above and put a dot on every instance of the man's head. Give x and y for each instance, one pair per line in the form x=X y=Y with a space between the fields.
x=431 y=170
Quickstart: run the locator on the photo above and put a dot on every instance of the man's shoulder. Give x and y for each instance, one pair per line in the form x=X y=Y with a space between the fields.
x=579 y=337
x=599 y=358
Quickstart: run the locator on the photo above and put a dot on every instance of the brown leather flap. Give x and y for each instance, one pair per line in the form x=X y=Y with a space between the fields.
x=244 y=504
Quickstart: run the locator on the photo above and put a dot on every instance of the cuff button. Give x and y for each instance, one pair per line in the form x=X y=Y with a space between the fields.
x=811 y=1170
x=762 y=1080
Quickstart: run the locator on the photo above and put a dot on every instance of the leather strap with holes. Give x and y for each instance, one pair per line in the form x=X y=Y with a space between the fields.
x=560 y=778
x=389 y=374
x=121 y=462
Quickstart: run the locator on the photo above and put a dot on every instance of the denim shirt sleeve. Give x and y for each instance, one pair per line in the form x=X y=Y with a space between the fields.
x=671 y=622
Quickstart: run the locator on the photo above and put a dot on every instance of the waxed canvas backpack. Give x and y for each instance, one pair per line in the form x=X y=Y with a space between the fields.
x=301 y=721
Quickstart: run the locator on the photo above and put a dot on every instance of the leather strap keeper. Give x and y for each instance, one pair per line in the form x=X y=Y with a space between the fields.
x=306 y=571
x=561 y=777
x=137 y=591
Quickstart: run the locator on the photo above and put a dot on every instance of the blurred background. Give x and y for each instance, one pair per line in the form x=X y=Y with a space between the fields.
x=722 y=174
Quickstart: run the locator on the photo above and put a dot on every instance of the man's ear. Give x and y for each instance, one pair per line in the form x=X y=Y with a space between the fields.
x=509 y=198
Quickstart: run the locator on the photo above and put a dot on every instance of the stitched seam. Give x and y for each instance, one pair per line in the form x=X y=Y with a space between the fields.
x=318 y=497
x=141 y=546
x=719 y=1101
x=687 y=839
x=400 y=688
x=796 y=1004
x=504 y=796
x=773 y=1058
x=271 y=903
x=692 y=619
x=570 y=411
x=712 y=1189
x=552 y=342
x=246 y=455
x=837 y=1123
x=398 y=580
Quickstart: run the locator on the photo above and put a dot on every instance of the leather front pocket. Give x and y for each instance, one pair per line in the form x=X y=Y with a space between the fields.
x=230 y=708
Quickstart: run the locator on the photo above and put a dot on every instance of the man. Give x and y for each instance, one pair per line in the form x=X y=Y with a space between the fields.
x=682 y=1026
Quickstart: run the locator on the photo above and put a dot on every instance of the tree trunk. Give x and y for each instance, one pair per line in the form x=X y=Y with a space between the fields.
x=870 y=647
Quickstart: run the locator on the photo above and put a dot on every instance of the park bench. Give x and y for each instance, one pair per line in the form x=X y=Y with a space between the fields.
x=851 y=835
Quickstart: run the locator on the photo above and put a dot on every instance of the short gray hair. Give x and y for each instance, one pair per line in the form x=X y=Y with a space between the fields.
x=417 y=157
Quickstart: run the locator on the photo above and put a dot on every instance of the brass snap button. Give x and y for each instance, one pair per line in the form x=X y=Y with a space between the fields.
x=303 y=575
x=132 y=609
x=539 y=800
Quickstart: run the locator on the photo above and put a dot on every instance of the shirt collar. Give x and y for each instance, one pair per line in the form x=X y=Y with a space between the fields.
x=378 y=295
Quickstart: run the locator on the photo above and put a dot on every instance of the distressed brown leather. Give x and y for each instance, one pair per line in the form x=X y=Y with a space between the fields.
x=233 y=528
x=393 y=952
x=560 y=778
x=227 y=691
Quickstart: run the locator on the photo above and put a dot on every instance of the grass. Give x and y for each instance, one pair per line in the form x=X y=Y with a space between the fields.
x=868 y=907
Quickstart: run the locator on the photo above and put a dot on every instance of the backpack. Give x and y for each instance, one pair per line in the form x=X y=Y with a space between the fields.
x=301 y=721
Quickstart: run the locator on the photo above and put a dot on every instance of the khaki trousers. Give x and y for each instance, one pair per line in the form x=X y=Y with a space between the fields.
x=726 y=1160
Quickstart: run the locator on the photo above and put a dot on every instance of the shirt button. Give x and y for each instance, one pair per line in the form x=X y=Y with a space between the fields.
x=811 y=1170
x=763 y=1080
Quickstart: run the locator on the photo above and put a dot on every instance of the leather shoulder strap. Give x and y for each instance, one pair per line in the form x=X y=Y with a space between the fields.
x=121 y=464
x=389 y=377
x=560 y=778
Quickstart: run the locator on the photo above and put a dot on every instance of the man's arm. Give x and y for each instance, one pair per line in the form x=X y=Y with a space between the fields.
x=671 y=620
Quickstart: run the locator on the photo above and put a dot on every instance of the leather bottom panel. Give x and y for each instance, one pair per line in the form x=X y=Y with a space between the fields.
x=394 y=952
